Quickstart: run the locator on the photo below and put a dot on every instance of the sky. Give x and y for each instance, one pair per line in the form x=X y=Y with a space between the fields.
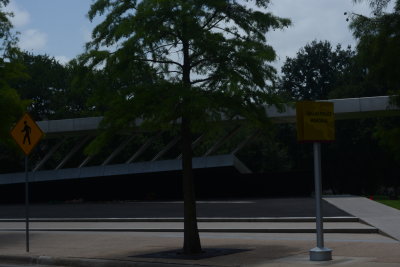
x=60 y=28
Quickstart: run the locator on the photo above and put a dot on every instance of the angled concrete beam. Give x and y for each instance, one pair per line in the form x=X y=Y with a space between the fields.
x=48 y=155
x=222 y=140
x=85 y=161
x=194 y=144
x=142 y=148
x=117 y=150
x=73 y=151
x=167 y=147
x=245 y=142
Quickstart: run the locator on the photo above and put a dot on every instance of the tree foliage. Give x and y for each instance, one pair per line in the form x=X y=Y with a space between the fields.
x=11 y=106
x=184 y=61
x=186 y=51
x=378 y=39
x=52 y=88
x=43 y=84
x=316 y=71
x=378 y=50
x=7 y=38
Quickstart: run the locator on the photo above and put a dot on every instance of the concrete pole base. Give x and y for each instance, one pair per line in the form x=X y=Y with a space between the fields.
x=320 y=254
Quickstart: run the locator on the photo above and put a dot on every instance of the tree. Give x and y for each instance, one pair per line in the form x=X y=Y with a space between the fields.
x=378 y=39
x=11 y=106
x=52 y=89
x=44 y=85
x=315 y=71
x=191 y=62
x=7 y=38
x=378 y=45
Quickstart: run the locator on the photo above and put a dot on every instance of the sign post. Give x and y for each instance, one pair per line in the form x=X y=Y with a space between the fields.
x=27 y=135
x=315 y=123
x=27 y=203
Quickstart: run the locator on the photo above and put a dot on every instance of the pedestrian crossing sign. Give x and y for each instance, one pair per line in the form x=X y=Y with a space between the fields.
x=26 y=133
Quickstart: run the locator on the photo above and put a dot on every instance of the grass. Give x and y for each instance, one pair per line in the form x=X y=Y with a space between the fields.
x=388 y=202
x=391 y=203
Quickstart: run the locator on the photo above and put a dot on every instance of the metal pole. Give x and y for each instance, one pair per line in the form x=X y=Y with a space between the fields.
x=318 y=194
x=26 y=203
x=320 y=253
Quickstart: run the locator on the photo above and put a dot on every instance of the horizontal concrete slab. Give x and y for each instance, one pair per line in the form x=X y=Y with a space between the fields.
x=348 y=108
x=124 y=169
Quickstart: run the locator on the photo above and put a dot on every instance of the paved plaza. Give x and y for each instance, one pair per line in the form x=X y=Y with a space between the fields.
x=366 y=237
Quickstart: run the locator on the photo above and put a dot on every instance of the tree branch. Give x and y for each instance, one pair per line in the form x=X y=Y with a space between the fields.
x=216 y=23
x=162 y=62
x=202 y=80
x=169 y=71
x=195 y=64
x=159 y=47
x=233 y=33
x=209 y=20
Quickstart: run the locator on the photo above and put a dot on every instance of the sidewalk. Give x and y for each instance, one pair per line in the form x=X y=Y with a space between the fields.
x=213 y=227
x=127 y=248
x=385 y=218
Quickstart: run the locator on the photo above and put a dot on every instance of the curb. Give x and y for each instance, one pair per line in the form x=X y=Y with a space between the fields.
x=87 y=262
x=380 y=231
x=207 y=230
x=260 y=219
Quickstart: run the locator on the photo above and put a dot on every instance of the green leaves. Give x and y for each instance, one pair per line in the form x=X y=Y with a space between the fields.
x=196 y=58
x=389 y=138
x=187 y=61
x=377 y=48
x=315 y=71
x=379 y=56
x=8 y=40
x=11 y=106
x=377 y=6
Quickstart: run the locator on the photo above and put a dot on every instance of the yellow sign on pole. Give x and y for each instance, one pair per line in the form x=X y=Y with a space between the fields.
x=315 y=121
x=26 y=134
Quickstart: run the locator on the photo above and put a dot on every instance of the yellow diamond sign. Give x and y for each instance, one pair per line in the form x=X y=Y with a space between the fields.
x=315 y=121
x=27 y=133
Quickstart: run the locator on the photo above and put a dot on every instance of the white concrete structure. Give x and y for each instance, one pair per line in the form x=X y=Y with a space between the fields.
x=350 y=108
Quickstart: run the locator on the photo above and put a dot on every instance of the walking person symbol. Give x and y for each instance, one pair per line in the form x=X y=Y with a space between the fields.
x=27 y=130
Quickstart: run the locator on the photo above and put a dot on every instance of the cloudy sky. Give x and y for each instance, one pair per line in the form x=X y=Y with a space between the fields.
x=60 y=28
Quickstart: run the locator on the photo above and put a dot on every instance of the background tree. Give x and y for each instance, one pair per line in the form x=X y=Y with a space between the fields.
x=192 y=62
x=51 y=89
x=11 y=106
x=315 y=71
x=378 y=39
x=378 y=50
x=354 y=163
x=44 y=84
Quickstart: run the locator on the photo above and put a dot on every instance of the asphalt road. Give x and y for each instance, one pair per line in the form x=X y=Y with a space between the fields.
x=9 y=265
x=244 y=208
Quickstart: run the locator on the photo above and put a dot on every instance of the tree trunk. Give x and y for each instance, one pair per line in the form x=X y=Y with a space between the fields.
x=191 y=243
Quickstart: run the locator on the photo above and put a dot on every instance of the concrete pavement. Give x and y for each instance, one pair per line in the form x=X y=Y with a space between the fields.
x=237 y=249
x=222 y=208
x=128 y=248
x=385 y=218
x=213 y=227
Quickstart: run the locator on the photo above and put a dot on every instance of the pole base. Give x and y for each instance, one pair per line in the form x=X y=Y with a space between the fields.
x=320 y=254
